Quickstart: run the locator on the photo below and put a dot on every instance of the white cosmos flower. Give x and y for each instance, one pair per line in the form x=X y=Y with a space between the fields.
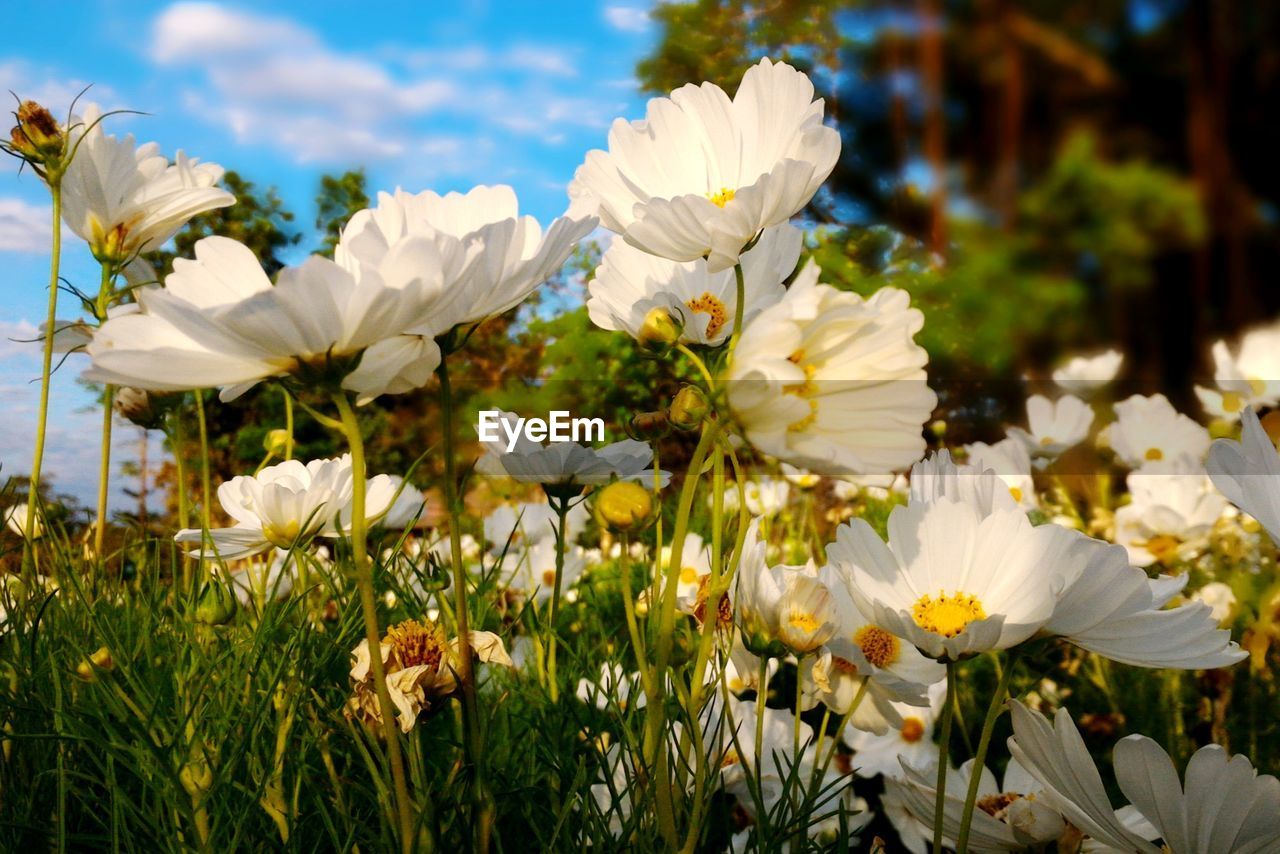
x=1011 y=462
x=1248 y=378
x=1055 y=426
x=832 y=382
x=567 y=463
x=731 y=737
x=530 y=522
x=1225 y=805
x=909 y=743
x=780 y=607
x=1220 y=598
x=702 y=175
x=1248 y=473
x=956 y=578
x=1086 y=374
x=1103 y=604
x=532 y=571
x=123 y=199
x=1010 y=816
x=15 y=519
x=219 y=321
x=629 y=283
x=491 y=259
x=1173 y=508
x=615 y=686
x=283 y=506
x=1149 y=429
x=766 y=496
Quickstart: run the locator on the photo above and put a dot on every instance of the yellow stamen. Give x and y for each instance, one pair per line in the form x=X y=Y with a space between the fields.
x=947 y=615
x=549 y=577
x=805 y=389
x=1163 y=547
x=1154 y=454
x=804 y=621
x=413 y=643
x=709 y=304
x=282 y=536
x=1047 y=441
x=880 y=647
x=721 y=198
x=1016 y=493
x=1232 y=401
x=688 y=575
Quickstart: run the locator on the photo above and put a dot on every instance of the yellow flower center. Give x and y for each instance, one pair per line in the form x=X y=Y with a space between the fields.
x=282 y=536
x=805 y=621
x=1257 y=386
x=1154 y=454
x=806 y=389
x=709 y=304
x=549 y=577
x=413 y=643
x=1232 y=401
x=1016 y=493
x=880 y=647
x=721 y=198
x=1163 y=547
x=688 y=575
x=912 y=730
x=844 y=665
x=947 y=615
x=1047 y=441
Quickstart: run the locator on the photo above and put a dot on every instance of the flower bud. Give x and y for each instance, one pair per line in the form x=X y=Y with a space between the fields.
x=625 y=507
x=217 y=605
x=939 y=429
x=136 y=405
x=659 y=331
x=37 y=135
x=648 y=426
x=100 y=660
x=276 y=442
x=688 y=408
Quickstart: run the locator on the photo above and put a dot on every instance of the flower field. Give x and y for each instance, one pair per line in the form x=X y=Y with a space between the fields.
x=801 y=591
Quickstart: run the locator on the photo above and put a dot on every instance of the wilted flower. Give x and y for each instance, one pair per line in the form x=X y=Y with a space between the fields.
x=630 y=283
x=37 y=137
x=420 y=664
x=832 y=382
x=1149 y=429
x=124 y=200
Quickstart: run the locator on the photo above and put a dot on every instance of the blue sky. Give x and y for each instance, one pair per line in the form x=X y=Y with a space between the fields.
x=422 y=95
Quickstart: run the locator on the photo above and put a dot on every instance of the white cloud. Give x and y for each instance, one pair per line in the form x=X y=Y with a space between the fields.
x=46 y=87
x=24 y=227
x=628 y=19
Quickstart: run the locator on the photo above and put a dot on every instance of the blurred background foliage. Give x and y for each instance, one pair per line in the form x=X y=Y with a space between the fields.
x=1042 y=177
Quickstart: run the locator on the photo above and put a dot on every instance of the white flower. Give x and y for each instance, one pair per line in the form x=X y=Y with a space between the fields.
x=123 y=199
x=532 y=571
x=695 y=570
x=267 y=577
x=1248 y=473
x=219 y=321
x=1011 y=462
x=1055 y=426
x=529 y=523
x=1085 y=374
x=781 y=606
x=764 y=497
x=15 y=519
x=800 y=478
x=282 y=506
x=1224 y=806
x=491 y=259
x=909 y=743
x=731 y=738
x=832 y=382
x=615 y=685
x=1220 y=599
x=957 y=577
x=1012 y=816
x=1172 y=511
x=1149 y=429
x=1250 y=378
x=629 y=283
x=567 y=463
x=702 y=175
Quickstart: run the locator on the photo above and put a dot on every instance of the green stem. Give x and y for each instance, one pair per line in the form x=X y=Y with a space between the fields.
x=177 y=440
x=762 y=697
x=288 y=423
x=473 y=745
x=944 y=758
x=629 y=607
x=206 y=489
x=104 y=478
x=979 y=758
x=369 y=609
x=562 y=510
x=738 y=308
x=46 y=371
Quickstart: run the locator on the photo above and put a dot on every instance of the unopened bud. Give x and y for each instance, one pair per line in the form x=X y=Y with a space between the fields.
x=37 y=135
x=136 y=405
x=276 y=442
x=939 y=429
x=100 y=660
x=648 y=426
x=625 y=507
x=689 y=408
x=217 y=604
x=112 y=247
x=659 y=331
